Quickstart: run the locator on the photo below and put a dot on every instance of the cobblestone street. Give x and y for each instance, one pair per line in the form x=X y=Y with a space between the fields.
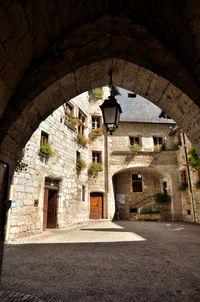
x=122 y=261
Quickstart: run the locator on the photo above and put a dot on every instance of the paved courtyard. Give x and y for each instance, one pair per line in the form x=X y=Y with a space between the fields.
x=106 y=261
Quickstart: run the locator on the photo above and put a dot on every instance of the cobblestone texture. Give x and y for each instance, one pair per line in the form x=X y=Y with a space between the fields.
x=123 y=261
x=9 y=296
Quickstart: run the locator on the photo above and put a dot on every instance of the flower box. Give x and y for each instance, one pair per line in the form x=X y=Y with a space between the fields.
x=80 y=165
x=71 y=122
x=97 y=93
x=70 y=125
x=96 y=167
x=45 y=151
x=96 y=132
x=135 y=148
x=158 y=148
x=82 y=140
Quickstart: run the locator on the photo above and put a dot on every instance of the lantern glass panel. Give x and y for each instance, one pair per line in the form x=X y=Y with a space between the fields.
x=109 y=115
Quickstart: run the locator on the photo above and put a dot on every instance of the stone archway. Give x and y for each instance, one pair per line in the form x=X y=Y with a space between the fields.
x=69 y=58
x=20 y=121
x=151 y=182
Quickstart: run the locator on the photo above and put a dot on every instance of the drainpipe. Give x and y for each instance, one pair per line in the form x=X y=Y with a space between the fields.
x=106 y=172
x=189 y=178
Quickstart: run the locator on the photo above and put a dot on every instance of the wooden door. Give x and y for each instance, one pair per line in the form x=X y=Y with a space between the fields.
x=45 y=208
x=52 y=209
x=96 y=207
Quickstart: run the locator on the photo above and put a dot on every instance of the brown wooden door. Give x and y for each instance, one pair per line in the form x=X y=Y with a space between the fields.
x=96 y=207
x=52 y=208
x=45 y=208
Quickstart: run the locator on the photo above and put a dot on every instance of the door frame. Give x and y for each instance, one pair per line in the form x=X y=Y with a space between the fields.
x=95 y=194
x=48 y=187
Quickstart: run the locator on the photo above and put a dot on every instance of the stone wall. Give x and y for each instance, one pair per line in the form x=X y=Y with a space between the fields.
x=26 y=217
x=163 y=165
x=190 y=197
x=97 y=179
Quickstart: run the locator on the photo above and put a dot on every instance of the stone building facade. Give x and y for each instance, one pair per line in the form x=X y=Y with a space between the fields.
x=118 y=180
x=54 y=181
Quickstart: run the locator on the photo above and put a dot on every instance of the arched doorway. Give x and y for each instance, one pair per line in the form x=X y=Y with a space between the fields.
x=135 y=188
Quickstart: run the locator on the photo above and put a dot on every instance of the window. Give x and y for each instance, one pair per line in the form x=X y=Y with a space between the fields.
x=179 y=137
x=96 y=122
x=157 y=140
x=81 y=129
x=188 y=212
x=184 y=176
x=81 y=118
x=96 y=157
x=134 y=140
x=137 y=182
x=78 y=155
x=44 y=138
x=69 y=110
x=83 y=193
x=165 y=188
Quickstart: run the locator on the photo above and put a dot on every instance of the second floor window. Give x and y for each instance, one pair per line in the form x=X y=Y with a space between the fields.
x=157 y=140
x=82 y=119
x=96 y=157
x=68 y=110
x=135 y=140
x=44 y=138
x=96 y=122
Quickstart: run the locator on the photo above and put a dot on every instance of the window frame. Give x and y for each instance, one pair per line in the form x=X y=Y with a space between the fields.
x=44 y=138
x=72 y=109
x=133 y=138
x=138 y=181
x=157 y=138
x=97 y=120
x=96 y=157
x=82 y=119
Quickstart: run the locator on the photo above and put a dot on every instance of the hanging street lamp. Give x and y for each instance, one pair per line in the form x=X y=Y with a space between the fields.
x=111 y=110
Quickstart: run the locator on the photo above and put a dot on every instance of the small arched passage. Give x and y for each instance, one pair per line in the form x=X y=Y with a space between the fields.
x=134 y=188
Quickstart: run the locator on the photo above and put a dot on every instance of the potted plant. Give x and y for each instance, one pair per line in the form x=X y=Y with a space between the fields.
x=72 y=120
x=96 y=132
x=45 y=150
x=82 y=140
x=148 y=214
x=197 y=185
x=158 y=148
x=80 y=165
x=135 y=148
x=96 y=166
x=161 y=198
x=97 y=92
x=20 y=164
x=176 y=146
x=193 y=160
x=183 y=186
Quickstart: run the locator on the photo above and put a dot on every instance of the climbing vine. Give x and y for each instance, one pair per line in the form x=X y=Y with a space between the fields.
x=193 y=159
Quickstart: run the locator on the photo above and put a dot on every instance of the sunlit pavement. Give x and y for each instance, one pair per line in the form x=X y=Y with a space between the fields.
x=122 y=261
